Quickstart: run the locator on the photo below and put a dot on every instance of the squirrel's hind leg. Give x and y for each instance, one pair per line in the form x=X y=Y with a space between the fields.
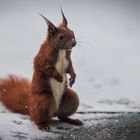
x=42 y=109
x=68 y=106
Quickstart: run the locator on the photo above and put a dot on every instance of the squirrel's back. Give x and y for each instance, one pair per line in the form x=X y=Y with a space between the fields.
x=14 y=93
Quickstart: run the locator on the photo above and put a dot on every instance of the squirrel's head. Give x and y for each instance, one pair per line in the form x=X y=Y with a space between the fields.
x=60 y=37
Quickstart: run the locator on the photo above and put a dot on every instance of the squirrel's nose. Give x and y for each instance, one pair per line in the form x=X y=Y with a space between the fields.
x=73 y=43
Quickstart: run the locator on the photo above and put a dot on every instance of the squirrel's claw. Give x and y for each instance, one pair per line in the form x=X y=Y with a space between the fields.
x=71 y=81
x=43 y=127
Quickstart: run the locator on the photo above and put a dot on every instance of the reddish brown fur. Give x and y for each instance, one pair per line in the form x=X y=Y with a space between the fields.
x=14 y=93
x=42 y=97
x=36 y=99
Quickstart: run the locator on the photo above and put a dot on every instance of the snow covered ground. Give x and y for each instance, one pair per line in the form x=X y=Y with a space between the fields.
x=15 y=126
x=106 y=59
x=97 y=126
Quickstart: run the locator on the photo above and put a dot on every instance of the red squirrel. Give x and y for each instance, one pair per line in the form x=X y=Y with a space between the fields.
x=48 y=94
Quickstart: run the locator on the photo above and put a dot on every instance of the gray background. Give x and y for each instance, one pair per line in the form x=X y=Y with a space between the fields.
x=107 y=57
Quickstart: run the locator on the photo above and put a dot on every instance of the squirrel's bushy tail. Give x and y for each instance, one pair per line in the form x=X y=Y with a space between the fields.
x=14 y=93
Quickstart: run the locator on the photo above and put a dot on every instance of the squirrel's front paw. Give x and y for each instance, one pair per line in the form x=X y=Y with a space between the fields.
x=59 y=78
x=71 y=81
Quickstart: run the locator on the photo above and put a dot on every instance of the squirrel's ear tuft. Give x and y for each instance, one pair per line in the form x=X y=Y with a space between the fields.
x=64 y=21
x=51 y=26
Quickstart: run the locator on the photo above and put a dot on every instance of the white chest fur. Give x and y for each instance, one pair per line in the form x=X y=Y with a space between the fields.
x=57 y=87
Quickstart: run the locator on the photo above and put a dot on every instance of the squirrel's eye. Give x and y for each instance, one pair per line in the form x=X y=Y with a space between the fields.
x=61 y=37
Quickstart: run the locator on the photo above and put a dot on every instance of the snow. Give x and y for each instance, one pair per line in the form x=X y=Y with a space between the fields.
x=16 y=126
x=19 y=126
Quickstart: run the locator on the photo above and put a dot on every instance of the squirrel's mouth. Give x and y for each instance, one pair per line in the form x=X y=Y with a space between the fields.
x=70 y=45
x=69 y=49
